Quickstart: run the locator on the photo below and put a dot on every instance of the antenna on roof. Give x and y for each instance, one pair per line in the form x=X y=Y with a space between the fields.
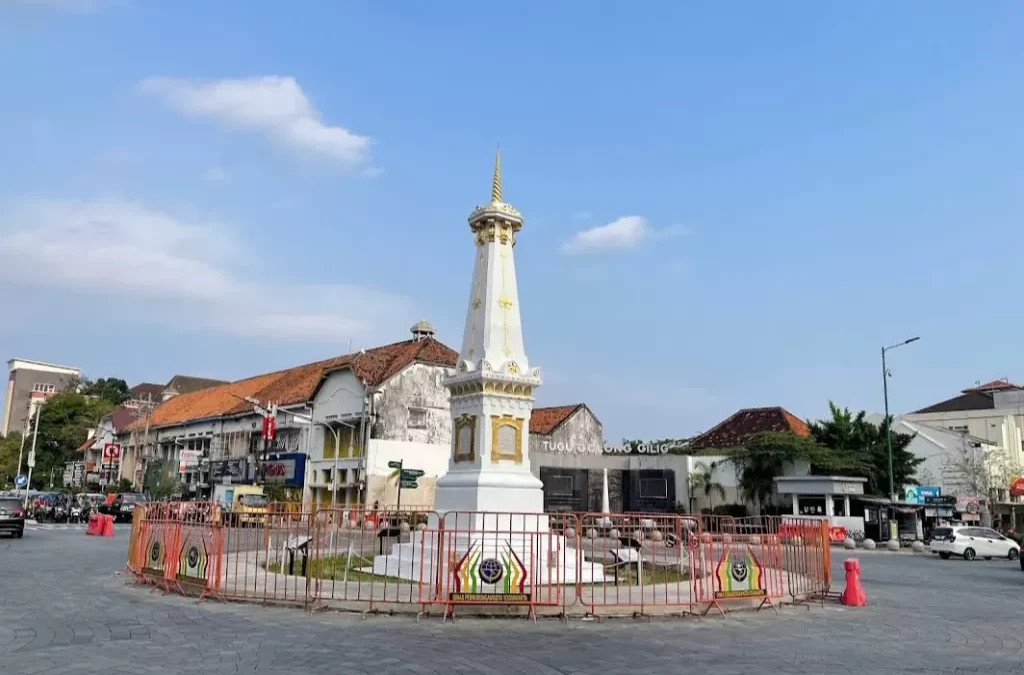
x=350 y=345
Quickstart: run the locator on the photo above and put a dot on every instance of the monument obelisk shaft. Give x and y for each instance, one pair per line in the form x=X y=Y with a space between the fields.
x=492 y=385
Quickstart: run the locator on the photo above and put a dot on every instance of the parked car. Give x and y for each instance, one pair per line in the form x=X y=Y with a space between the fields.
x=970 y=542
x=123 y=506
x=12 y=517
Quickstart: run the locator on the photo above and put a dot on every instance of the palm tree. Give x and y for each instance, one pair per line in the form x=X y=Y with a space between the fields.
x=703 y=480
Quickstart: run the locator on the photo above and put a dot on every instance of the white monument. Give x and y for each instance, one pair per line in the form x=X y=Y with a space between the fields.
x=491 y=395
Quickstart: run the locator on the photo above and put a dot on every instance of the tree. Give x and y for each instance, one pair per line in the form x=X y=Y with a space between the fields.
x=769 y=454
x=64 y=423
x=675 y=446
x=862 y=448
x=10 y=446
x=703 y=480
x=975 y=471
x=125 y=485
x=112 y=389
x=161 y=480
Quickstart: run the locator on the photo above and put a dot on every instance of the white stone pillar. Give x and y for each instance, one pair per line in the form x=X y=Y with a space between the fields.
x=796 y=504
x=830 y=508
x=846 y=505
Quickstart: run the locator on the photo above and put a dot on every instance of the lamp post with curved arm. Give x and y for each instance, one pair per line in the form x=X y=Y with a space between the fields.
x=337 y=437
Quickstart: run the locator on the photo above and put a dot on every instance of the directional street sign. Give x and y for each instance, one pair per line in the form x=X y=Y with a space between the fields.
x=411 y=484
x=394 y=465
x=20 y=481
x=411 y=474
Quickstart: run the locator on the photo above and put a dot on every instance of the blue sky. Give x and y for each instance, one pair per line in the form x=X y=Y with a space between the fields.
x=187 y=187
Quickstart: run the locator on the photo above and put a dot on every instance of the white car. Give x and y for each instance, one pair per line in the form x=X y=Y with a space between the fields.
x=972 y=542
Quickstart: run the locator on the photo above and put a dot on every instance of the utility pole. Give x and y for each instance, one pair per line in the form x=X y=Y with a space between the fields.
x=32 y=455
x=27 y=424
x=893 y=526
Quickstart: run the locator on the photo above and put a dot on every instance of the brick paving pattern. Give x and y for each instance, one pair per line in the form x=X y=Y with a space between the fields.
x=62 y=611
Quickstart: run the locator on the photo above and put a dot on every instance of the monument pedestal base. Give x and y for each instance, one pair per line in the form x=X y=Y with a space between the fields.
x=487 y=561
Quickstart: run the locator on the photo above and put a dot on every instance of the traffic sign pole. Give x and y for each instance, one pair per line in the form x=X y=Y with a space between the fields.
x=398 y=507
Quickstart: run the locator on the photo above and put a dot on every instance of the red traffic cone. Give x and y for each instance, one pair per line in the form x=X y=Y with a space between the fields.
x=854 y=595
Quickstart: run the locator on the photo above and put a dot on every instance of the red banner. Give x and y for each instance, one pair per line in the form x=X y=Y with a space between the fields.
x=837 y=534
x=1017 y=487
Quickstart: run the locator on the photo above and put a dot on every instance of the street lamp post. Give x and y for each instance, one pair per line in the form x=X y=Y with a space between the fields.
x=308 y=419
x=888 y=425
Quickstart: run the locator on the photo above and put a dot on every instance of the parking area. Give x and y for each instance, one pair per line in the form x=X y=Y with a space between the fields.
x=62 y=610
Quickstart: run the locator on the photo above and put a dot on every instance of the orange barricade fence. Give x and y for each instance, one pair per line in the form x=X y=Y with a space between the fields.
x=807 y=555
x=370 y=559
x=138 y=518
x=507 y=559
x=265 y=556
x=637 y=562
x=739 y=560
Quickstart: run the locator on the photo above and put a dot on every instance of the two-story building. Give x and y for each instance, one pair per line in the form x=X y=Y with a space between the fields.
x=368 y=409
x=993 y=415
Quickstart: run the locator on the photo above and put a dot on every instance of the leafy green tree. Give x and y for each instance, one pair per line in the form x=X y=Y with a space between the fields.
x=64 y=423
x=861 y=445
x=676 y=446
x=161 y=480
x=768 y=455
x=703 y=480
x=9 y=448
x=112 y=389
x=125 y=485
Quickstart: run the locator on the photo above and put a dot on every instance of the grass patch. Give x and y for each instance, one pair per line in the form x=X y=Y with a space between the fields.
x=651 y=577
x=335 y=567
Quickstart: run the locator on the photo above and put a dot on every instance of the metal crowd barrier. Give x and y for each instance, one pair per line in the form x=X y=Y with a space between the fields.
x=393 y=560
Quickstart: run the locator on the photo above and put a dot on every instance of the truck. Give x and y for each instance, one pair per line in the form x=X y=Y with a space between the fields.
x=242 y=504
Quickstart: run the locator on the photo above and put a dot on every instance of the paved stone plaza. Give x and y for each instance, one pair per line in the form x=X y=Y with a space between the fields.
x=62 y=610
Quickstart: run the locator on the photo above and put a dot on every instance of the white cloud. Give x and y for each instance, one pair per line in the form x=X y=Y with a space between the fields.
x=625 y=233
x=69 y=6
x=192 y=273
x=275 y=106
x=215 y=174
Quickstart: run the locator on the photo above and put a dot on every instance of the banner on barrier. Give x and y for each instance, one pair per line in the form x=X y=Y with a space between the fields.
x=739 y=574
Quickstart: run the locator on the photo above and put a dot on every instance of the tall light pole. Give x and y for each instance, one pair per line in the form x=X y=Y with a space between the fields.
x=888 y=425
x=308 y=419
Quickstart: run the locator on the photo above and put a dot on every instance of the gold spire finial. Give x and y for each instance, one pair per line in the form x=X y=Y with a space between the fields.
x=496 y=184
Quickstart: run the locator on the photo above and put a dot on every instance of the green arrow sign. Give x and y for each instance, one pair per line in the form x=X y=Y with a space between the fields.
x=412 y=474
x=411 y=483
x=394 y=465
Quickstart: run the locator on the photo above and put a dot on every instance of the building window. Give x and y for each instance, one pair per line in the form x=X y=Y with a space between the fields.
x=654 y=488
x=560 y=486
x=839 y=507
x=417 y=418
x=44 y=388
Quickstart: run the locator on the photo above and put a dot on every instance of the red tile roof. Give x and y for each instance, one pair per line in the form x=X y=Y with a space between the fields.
x=741 y=426
x=994 y=385
x=544 y=421
x=297 y=385
x=88 y=444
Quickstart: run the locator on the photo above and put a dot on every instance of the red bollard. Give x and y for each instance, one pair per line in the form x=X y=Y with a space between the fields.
x=108 y=526
x=95 y=525
x=854 y=595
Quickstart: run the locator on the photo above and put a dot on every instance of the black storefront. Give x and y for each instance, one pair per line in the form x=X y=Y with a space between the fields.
x=636 y=491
